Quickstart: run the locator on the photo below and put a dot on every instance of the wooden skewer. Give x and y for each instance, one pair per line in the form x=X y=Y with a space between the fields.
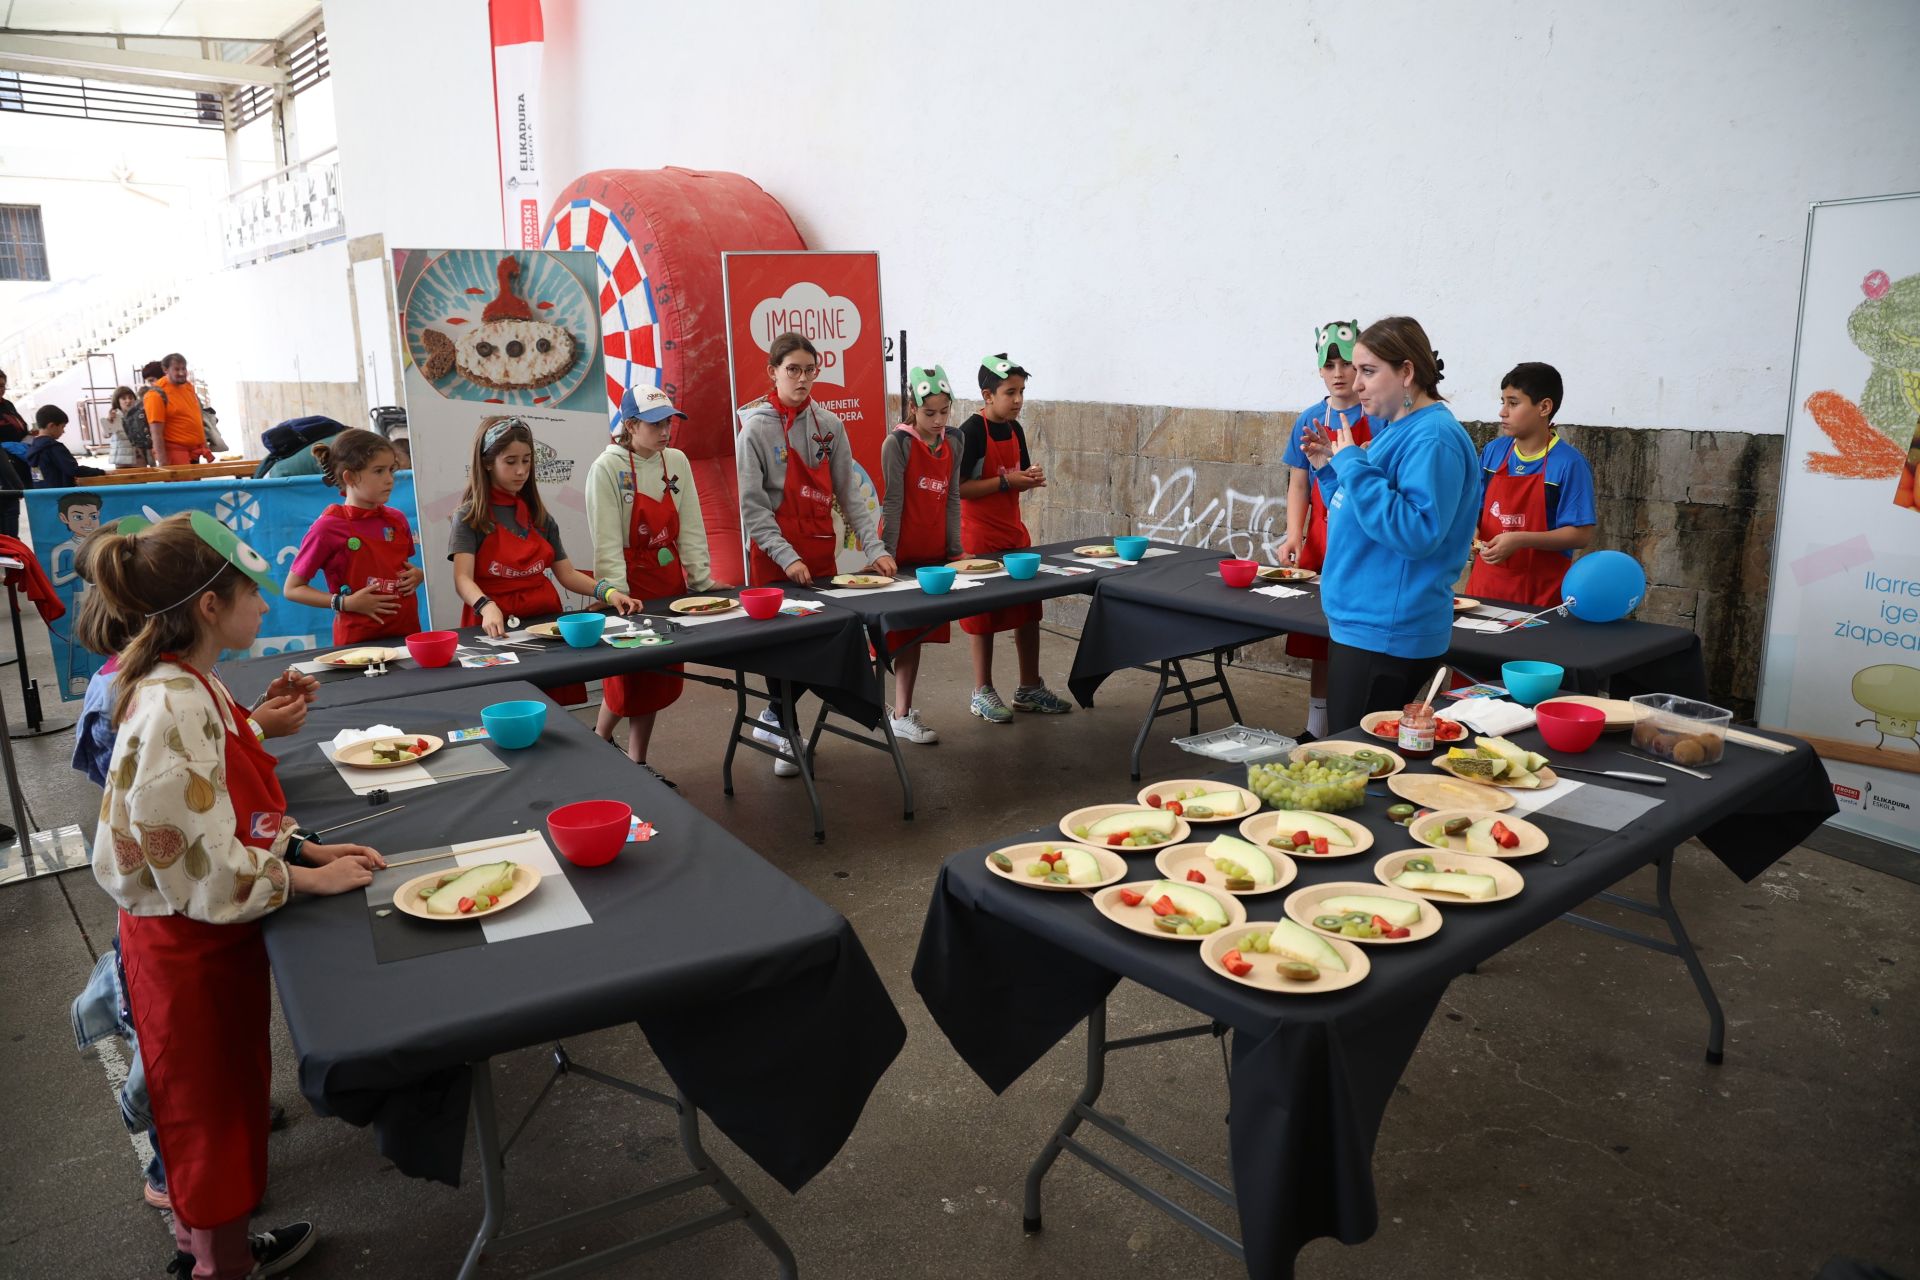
x=472 y=848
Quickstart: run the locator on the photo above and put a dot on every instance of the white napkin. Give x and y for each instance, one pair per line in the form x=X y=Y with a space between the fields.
x=347 y=737
x=1278 y=592
x=1495 y=717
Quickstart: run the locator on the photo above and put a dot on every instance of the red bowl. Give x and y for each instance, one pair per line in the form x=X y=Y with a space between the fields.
x=762 y=602
x=1570 y=726
x=590 y=832
x=1238 y=573
x=432 y=648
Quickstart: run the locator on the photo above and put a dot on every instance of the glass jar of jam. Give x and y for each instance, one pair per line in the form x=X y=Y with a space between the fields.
x=1417 y=729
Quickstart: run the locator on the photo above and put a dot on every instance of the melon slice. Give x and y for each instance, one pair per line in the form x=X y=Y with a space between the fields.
x=1467 y=884
x=1158 y=821
x=1220 y=804
x=1477 y=764
x=489 y=880
x=1395 y=911
x=1301 y=943
x=1079 y=864
x=1289 y=821
x=1260 y=868
x=1189 y=901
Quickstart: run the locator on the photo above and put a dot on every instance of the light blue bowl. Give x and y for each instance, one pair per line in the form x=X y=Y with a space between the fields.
x=514 y=725
x=582 y=630
x=1531 y=682
x=1021 y=564
x=936 y=579
x=1131 y=548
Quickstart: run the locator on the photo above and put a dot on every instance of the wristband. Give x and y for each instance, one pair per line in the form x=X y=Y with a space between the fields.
x=259 y=734
x=602 y=589
x=296 y=845
x=479 y=606
x=1004 y=486
x=340 y=595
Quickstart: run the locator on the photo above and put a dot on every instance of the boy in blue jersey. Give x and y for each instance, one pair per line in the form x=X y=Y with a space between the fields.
x=1536 y=506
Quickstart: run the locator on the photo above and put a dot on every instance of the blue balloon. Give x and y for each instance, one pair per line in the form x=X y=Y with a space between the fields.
x=1605 y=586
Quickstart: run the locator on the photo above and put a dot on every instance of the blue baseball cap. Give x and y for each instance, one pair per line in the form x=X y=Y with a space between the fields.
x=649 y=404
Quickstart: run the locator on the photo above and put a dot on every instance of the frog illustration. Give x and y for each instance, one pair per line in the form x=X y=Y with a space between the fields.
x=1886 y=328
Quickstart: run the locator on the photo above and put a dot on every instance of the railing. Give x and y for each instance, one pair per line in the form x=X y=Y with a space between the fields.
x=288 y=209
x=60 y=325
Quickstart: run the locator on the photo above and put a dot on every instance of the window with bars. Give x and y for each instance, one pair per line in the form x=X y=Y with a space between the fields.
x=23 y=243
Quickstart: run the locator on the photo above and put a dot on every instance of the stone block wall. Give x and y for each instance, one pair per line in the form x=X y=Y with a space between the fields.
x=265 y=404
x=1695 y=507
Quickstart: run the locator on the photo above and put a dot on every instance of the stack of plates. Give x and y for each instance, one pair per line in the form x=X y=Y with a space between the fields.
x=1621 y=715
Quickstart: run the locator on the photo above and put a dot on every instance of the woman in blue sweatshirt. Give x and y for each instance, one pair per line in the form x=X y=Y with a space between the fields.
x=1400 y=521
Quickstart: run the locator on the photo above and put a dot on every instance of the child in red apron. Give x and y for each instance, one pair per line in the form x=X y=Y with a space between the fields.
x=649 y=539
x=1306 y=544
x=362 y=546
x=920 y=522
x=504 y=544
x=1537 y=507
x=195 y=846
x=995 y=470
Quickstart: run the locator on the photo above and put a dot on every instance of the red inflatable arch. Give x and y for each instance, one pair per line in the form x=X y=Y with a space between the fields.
x=658 y=235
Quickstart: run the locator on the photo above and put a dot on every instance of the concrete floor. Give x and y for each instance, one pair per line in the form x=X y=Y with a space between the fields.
x=1557 y=1120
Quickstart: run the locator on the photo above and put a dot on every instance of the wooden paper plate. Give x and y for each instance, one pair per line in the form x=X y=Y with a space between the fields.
x=1093 y=813
x=1621 y=714
x=360 y=754
x=1372 y=721
x=1168 y=790
x=1506 y=881
x=1532 y=839
x=1547 y=778
x=407 y=897
x=1302 y=905
x=1430 y=792
x=1099 y=551
x=979 y=565
x=545 y=630
x=364 y=656
x=1287 y=573
x=1113 y=867
x=1174 y=864
x=1262 y=827
x=861 y=581
x=1305 y=752
x=1140 y=919
x=1462 y=604
x=1265 y=975
x=702 y=605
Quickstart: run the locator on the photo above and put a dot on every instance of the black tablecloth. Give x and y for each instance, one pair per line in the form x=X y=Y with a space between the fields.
x=757 y=997
x=1177 y=607
x=825 y=651
x=1008 y=971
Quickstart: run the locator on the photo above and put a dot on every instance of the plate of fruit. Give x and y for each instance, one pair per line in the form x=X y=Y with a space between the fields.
x=466 y=893
x=1382 y=762
x=976 y=566
x=1465 y=604
x=863 y=581
x=1053 y=864
x=1198 y=800
x=703 y=604
x=1286 y=573
x=1098 y=551
x=1442 y=876
x=365 y=656
x=1476 y=831
x=1302 y=834
x=1325 y=784
x=1173 y=910
x=1495 y=762
x=1369 y=914
x=1432 y=791
x=1385 y=725
x=389 y=753
x=1285 y=958
x=1124 y=826
x=1228 y=863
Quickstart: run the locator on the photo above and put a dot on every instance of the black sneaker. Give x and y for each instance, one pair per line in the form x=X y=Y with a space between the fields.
x=182 y=1264
x=277 y=1250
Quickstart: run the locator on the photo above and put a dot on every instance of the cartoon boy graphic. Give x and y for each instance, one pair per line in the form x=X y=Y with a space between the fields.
x=80 y=512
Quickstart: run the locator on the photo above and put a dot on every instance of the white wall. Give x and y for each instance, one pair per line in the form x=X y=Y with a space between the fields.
x=1152 y=203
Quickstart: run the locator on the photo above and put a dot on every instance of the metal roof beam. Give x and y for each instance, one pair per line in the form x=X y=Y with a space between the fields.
x=101 y=62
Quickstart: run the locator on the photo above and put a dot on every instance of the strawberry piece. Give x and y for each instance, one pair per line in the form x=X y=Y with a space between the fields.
x=1193 y=874
x=1118 y=837
x=466 y=904
x=1236 y=964
x=1384 y=925
x=1132 y=897
x=1164 y=907
x=1320 y=844
x=1300 y=838
x=1050 y=858
x=1175 y=808
x=1401 y=932
x=1153 y=802
x=1503 y=835
x=419 y=745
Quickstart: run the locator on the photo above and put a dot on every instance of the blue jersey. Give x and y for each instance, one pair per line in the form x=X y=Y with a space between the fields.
x=1295 y=456
x=1569 y=479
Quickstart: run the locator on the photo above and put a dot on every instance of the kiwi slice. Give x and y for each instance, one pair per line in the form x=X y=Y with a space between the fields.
x=1296 y=971
x=1002 y=861
x=1239 y=884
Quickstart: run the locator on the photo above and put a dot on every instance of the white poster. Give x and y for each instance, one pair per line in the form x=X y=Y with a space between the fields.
x=487 y=332
x=1842 y=665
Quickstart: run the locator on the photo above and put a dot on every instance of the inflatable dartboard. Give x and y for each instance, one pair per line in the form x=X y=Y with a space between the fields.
x=657 y=235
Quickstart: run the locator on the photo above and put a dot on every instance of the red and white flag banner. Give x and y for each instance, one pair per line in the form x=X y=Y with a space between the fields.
x=518 y=34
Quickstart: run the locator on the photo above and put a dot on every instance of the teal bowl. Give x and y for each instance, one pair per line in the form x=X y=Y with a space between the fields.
x=1131 y=548
x=935 y=579
x=1529 y=682
x=582 y=630
x=514 y=725
x=1021 y=564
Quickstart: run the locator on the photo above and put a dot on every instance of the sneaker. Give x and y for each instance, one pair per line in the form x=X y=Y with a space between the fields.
x=156 y=1196
x=182 y=1264
x=783 y=767
x=277 y=1250
x=1041 y=699
x=986 y=704
x=909 y=728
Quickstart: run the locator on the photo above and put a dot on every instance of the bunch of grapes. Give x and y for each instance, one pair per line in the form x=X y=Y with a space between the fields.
x=1325 y=785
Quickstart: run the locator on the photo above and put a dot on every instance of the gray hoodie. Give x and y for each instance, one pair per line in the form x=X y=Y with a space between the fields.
x=760 y=456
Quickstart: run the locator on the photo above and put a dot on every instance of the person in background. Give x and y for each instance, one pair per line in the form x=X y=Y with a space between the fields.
x=362 y=546
x=1400 y=518
x=13 y=471
x=1536 y=507
x=123 y=449
x=174 y=416
x=52 y=464
x=1306 y=544
x=920 y=521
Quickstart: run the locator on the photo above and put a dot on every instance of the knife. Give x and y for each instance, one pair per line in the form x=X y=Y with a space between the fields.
x=1651 y=779
x=1668 y=764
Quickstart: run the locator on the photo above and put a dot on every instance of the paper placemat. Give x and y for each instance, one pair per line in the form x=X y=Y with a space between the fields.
x=899 y=584
x=443 y=765
x=1278 y=592
x=1604 y=808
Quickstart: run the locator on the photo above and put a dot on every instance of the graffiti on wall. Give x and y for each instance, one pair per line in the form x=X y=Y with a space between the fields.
x=1250 y=526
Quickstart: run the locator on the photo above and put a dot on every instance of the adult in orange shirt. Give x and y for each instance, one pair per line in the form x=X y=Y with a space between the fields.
x=173 y=414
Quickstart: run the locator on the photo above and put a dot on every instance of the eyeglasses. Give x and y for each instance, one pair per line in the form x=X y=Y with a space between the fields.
x=800 y=370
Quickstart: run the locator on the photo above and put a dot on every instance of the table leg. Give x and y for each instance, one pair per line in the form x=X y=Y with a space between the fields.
x=493 y=1169
x=1173 y=677
x=802 y=755
x=887 y=741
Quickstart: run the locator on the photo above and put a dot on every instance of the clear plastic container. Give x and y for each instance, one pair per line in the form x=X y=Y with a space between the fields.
x=1327 y=784
x=1681 y=729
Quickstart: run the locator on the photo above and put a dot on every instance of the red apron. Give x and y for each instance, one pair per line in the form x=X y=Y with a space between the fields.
x=653 y=570
x=991 y=526
x=378 y=544
x=923 y=520
x=805 y=517
x=200 y=1003
x=1313 y=548
x=512 y=571
x=1517 y=504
